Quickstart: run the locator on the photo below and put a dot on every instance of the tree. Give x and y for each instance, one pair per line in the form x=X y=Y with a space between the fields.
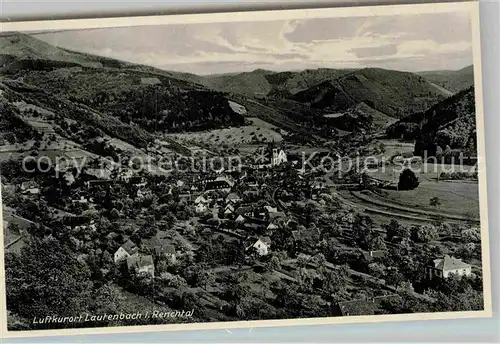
x=408 y=180
x=381 y=147
x=274 y=264
x=395 y=230
x=425 y=233
x=394 y=278
x=439 y=152
x=435 y=202
x=376 y=269
x=302 y=260
x=114 y=214
x=363 y=231
x=447 y=151
x=471 y=235
x=45 y=279
x=377 y=242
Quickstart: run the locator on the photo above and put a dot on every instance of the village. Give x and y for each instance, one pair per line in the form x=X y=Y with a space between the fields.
x=270 y=222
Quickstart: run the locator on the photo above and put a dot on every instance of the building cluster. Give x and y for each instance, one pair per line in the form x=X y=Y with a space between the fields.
x=139 y=262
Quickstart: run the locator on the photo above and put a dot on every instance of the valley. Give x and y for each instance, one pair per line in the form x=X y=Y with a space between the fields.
x=147 y=188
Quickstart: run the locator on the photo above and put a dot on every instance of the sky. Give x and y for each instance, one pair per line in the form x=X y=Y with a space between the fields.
x=416 y=42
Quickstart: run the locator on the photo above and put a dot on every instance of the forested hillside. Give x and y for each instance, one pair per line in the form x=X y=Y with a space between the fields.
x=450 y=123
x=393 y=93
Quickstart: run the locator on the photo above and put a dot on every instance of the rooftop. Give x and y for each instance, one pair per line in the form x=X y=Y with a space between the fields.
x=130 y=247
x=450 y=263
x=139 y=261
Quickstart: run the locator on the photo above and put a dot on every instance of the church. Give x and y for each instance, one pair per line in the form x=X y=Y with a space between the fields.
x=272 y=155
x=278 y=155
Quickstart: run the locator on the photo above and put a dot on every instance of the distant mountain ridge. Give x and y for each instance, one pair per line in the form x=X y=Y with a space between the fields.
x=122 y=99
x=392 y=93
x=454 y=81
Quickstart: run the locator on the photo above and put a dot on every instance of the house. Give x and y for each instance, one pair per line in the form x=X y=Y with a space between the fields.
x=233 y=198
x=446 y=266
x=262 y=246
x=244 y=210
x=251 y=181
x=140 y=263
x=240 y=219
x=271 y=226
x=128 y=249
x=317 y=188
x=229 y=209
x=161 y=245
x=201 y=199
x=30 y=187
x=170 y=253
x=222 y=183
x=270 y=209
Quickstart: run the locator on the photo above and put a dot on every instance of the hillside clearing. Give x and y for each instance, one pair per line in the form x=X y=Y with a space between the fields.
x=232 y=136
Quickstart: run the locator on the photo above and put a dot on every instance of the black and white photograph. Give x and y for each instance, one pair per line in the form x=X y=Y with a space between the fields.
x=283 y=165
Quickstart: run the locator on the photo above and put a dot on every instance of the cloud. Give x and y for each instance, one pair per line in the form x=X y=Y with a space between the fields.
x=410 y=42
x=383 y=50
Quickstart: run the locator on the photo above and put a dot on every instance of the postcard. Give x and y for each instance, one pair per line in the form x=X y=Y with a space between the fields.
x=247 y=169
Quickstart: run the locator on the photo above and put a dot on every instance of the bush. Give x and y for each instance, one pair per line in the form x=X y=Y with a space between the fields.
x=408 y=180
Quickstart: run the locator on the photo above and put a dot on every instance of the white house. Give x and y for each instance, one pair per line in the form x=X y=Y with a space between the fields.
x=240 y=219
x=229 y=209
x=271 y=226
x=262 y=246
x=126 y=250
x=200 y=199
x=447 y=266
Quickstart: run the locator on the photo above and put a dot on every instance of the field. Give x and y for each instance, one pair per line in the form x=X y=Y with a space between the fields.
x=425 y=171
x=261 y=123
x=450 y=195
x=230 y=136
x=394 y=147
